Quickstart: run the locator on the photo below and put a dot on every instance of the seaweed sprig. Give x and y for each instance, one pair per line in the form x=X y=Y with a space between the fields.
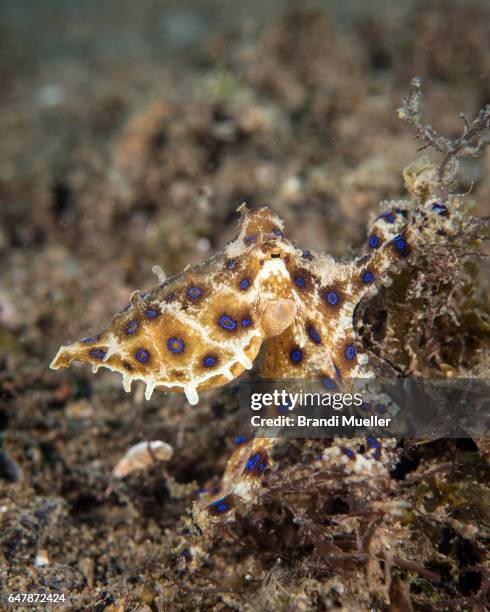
x=475 y=135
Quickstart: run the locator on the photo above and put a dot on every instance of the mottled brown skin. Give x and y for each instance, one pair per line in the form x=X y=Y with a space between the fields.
x=202 y=328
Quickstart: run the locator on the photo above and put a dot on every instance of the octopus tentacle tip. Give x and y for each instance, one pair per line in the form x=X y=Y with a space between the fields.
x=52 y=362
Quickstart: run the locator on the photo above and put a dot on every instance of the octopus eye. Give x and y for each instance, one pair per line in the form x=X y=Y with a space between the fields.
x=275 y=255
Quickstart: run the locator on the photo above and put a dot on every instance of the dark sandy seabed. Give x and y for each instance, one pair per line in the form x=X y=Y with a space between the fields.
x=130 y=133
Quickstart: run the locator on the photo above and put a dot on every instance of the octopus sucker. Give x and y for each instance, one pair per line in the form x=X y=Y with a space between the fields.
x=191 y=394
x=150 y=386
x=243 y=360
x=126 y=382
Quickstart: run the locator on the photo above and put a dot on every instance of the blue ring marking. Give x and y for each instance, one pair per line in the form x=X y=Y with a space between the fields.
x=246 y=322
x=132 y=327
x=252 y=461
x=250 y=239
x=337 y=373
x=151 y=313
x=372 y=442
x=227 y=322
x=244 y=284
x=314 y=335
x=239 y=440
x=230 y=264
x=142 y=356
x=170 y=297
x=97 y=353
x=328 y=383
x=89 y=340
x=194 y=292
x=350 y=351
x=175 y=345
x=299 y=281
x=374 y=241
x=296 y=355
x=332 y=298
x=399 y=243
x=367 y=277
x=389 y=217
x=220 y=505
x=441 y=208
x=350 y=453
x=277 y=232
x=209 y=361
x=381 y=408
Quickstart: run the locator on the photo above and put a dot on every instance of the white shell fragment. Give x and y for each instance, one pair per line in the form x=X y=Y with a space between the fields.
x=42 y=558
x=141 y=456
